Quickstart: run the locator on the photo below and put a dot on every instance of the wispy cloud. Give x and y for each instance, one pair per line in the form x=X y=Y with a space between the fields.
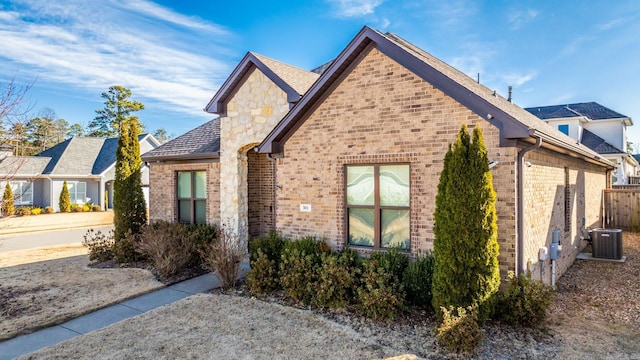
x=610 y=24
x=516 y=79
x=354 y=8
x=453 y=12
x=473 y=59
x=156 y=52
x=519 y=18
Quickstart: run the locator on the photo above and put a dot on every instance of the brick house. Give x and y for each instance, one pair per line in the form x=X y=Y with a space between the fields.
x=357 y=158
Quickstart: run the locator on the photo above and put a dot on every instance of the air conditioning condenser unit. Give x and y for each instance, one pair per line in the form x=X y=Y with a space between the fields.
x=606 y=243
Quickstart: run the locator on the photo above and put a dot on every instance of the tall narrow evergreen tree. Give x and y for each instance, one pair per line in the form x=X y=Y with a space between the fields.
x=129 y=206
x=65 y=198
x=8 y=207
x=466 y=271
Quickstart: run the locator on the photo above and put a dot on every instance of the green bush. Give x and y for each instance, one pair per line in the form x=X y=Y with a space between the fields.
x=270 y=246
x=36 y=211
x=337 y=279
x=417 y=281
x=298 y=273
x=65 y=199
x=100 y=245
x=124 y=251
x=72 y=208
x=48 y=210
x=167 y=245
x=201 y=235
x=379 y=297
x=466 y=271
x=8 y=207
x=393 y=262
x=263 y=277
x=308 y=245
x=459 y=330
x=525 y=301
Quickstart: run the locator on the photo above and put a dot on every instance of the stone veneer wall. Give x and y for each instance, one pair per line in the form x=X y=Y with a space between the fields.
x=162 y=192
x=544 y=204
x=252 y=112
x=383 y=113
x=260 y=207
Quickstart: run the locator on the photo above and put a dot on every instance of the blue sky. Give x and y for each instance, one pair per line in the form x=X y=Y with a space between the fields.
x=175 y=54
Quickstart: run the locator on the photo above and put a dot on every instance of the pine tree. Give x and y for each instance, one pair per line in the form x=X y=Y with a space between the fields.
x=466 y=271
x=129 y=205
x=65 y=198
x=8 y=207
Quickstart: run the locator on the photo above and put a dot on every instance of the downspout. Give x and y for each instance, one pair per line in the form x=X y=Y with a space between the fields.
x=275 y=191
x=520 y=209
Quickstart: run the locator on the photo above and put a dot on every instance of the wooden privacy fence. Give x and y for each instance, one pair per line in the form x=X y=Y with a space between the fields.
x=622 y=208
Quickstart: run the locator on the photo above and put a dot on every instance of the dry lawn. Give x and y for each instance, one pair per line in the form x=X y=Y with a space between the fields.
x=47 y=286
x=594 y=315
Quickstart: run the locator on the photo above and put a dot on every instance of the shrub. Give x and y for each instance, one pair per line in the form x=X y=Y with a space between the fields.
x=393 y=262
x=200 y=235
x=100 y=245
x=124 y=251
x=85 y=208
x=525 y=301
x=298 y=272
x=459 y=330
x=8 y=207
x=224 y=256
x=466 y=269
x=167 y=245
x=378 y=296
x=36 y=211
x=23 y=211
x=417 y=281
x=308 y=245
x=263 y=277
x=271 y=246
x=72 y=208
x=65 y=199
x=96 y=208
x=337 y=279
x=48 y=210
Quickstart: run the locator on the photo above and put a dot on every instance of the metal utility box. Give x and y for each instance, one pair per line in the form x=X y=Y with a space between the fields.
x=606 y=243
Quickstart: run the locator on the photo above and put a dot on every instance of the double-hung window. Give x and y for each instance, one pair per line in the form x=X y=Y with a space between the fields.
x=377 y=201
x=192 y=197
x=77 y=192
x=22 y=192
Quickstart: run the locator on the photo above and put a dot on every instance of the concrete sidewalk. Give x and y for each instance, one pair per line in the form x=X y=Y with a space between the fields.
x=99 y=319
x=55 y=221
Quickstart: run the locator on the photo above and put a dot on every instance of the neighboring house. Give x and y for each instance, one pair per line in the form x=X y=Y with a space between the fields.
x=355 y=156
x=87 y=165
x=597 y=127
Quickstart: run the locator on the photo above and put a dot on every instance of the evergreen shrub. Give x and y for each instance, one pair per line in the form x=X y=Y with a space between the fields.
x=525 y=301
x=417 y=280
x=8 y=207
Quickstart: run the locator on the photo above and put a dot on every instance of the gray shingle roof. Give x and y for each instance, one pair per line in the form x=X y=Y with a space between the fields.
x=203 y=141
x=77 y=158
x=598 y=144
x=591 y=110
x=300 y=80
x=23 y=166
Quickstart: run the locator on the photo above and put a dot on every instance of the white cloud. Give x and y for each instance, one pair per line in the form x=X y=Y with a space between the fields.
x=354 y=8
x=519 y=18
x=93 y=45
x=610 y=25
x=518 y=79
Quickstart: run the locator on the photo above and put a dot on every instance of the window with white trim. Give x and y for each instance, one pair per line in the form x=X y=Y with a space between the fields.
x=22 y=192
x=377 y=205
x=77 y=192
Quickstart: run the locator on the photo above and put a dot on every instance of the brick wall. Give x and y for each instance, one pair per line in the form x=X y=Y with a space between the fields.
x=383 y=113
x=260 y=185
x=162 y=192
x=545 y=202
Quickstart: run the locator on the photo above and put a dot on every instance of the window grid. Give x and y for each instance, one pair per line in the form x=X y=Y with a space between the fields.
x=191 y=197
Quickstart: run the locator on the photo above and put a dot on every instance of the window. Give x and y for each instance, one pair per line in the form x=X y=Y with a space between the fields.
x=22 y=192
x=192 y=195
x=378 y=213
x=564 y=128
x=77 y=192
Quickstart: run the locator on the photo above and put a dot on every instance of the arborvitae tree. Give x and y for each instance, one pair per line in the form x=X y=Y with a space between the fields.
x=8 y=207
x=466 y=271
x=129 y=206
x=65 y=199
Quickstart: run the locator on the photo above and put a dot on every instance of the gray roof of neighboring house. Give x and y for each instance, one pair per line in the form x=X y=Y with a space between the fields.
x=637 y=157
x=591 y=110
x=198 y=143
x=598 y=144
x=23 y=166
x=514 y=122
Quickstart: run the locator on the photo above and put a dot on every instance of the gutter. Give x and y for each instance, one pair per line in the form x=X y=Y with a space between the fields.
x=520 y=206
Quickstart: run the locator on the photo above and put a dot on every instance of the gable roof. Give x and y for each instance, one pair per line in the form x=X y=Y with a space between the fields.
x=292 y=80
x=513 y=121
x=201 y=142
x=598 y=144
x=590 y=110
